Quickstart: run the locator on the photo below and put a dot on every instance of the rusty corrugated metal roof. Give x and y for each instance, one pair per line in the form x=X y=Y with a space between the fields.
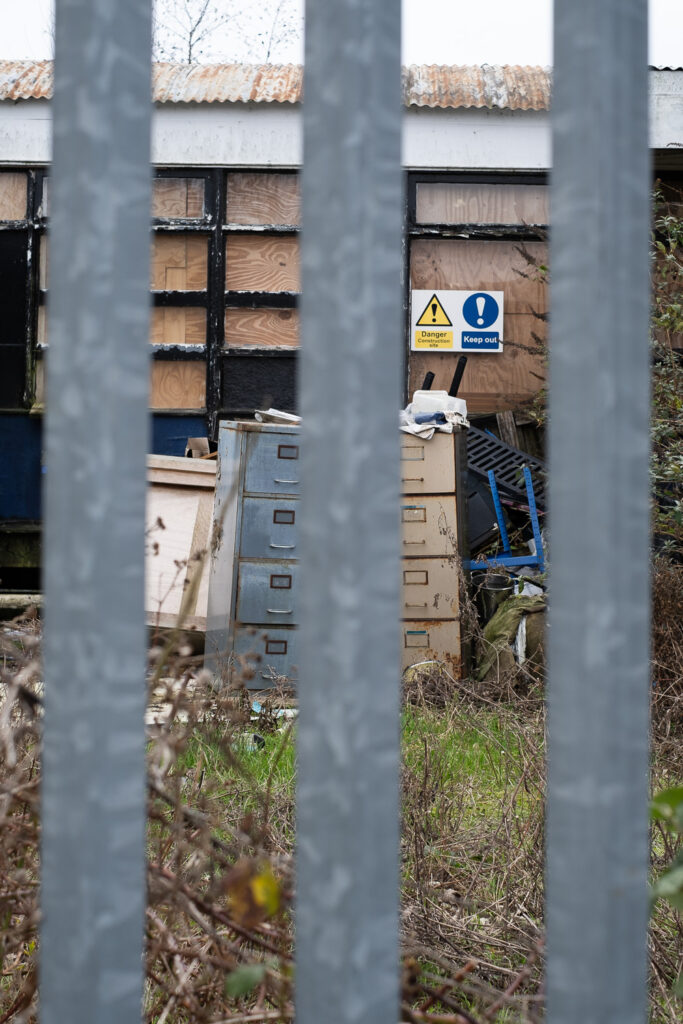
x=25 y=79
x=227 y=83
x=507 y=87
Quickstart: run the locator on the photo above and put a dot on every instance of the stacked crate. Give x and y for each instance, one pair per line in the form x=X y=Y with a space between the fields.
x=433 y=536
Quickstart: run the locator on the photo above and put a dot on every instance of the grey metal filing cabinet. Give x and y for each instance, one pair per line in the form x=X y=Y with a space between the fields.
x=433 y=543
x=252 y=603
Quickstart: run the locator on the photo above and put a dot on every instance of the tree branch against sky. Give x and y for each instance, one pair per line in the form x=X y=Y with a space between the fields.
x=203 y=31
x=434 y=31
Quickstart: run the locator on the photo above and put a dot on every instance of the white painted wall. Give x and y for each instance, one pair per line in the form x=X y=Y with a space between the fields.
x=666 y=110
x=270 y=135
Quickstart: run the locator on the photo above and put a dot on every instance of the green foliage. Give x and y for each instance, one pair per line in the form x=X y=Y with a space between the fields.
x=667 y=807
x=667 y=372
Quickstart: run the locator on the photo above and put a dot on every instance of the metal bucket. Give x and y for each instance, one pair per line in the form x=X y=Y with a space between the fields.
x=492 y=589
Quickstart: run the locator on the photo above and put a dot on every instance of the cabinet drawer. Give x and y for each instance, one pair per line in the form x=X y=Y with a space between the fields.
x=269 y=528
x=272 y=463
x=274 y=653
x=429 y=588
x=427 y=467
x=267 y=592
x=428 y=527
x=431 y=641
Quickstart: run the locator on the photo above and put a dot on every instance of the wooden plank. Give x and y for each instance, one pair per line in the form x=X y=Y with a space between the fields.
x=486 y=266
x=12 y=196
x=178 y=262
x=470 y=203
x=178 y=325
x=41 y=329
x=43 y=261
x=178 y=197
x=263 y=198
x=178 y=385
x=261 y=328
x=40 y=382
x=262 y=263
x=195 y=198
x=507 y=428
x=199 y=472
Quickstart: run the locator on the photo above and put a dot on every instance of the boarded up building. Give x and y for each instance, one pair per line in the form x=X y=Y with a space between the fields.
x=224 y=271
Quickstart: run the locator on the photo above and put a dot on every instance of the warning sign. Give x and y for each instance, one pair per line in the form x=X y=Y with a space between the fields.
x=473 y=321
x=434 y=315
x=433 y=339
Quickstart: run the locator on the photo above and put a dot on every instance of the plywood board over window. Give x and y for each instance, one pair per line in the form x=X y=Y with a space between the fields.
x=178 y=198
x=262 y=263
x=261 y=328
x=12 y=195
x=263 y=198
x=491 y=382
x=178 y=384
x=481 y=203
x=178 y=262
x=178 y=325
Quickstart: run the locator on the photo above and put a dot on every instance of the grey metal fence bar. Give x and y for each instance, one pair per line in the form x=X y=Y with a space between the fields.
x=598 y=733
x=348 y=741
x=94 y=778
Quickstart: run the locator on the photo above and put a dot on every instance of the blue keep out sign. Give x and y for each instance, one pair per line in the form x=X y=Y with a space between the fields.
x=480 y=310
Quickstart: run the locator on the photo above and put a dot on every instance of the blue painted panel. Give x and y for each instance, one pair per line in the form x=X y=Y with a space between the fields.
x=21 y=452
x=170 y=433
x=20 y=459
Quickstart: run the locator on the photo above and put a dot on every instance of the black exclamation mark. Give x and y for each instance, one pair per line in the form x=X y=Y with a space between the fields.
x=433 y=312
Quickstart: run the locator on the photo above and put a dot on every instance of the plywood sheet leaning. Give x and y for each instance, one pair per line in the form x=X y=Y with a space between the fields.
x=180 y=495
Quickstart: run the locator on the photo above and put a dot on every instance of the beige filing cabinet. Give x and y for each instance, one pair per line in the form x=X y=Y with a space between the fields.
x=433 y=536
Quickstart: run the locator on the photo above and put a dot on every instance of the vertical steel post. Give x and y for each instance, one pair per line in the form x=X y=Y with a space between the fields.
x=93 y=891
x=598 y=691
x=348 y=742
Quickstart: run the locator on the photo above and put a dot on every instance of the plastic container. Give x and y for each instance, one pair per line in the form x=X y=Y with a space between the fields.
x=436 y=401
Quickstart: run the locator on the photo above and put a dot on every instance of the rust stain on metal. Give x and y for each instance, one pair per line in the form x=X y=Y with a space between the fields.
x=507 y=87
x=25 y=79
x=227 y=83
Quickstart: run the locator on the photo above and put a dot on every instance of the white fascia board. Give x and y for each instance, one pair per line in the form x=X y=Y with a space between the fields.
x=25 y=132
x=227 y=135
x=472 y=139
x=666 y=110
x=270 y=135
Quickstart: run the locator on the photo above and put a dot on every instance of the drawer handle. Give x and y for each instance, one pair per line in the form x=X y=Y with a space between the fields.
x=278 y=481
x=406 y=605
x=412 y=479
x=414 y=541
x=283 y=547
x=280 y=611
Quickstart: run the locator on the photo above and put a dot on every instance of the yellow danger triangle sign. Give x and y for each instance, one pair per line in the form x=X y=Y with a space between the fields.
x=434 y=315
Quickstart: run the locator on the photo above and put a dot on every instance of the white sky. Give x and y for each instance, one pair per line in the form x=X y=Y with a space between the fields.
x=434 y=32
